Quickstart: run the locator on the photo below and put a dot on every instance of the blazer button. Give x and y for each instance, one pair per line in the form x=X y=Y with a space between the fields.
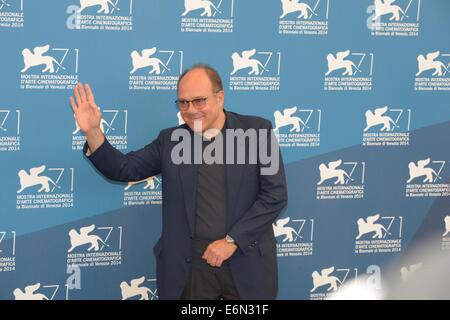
x=187 y=260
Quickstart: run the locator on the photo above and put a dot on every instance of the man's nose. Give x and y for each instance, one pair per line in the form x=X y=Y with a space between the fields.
x=190 y=108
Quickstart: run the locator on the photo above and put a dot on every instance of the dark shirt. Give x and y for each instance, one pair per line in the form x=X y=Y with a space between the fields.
x=211 y=203
x=211 y=215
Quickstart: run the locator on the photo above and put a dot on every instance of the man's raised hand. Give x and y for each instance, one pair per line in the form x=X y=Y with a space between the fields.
x=87 y=115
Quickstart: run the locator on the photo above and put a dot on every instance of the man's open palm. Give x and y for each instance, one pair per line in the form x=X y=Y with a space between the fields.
x=87 y=114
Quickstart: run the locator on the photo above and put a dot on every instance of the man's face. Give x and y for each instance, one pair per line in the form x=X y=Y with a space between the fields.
x=196 y=85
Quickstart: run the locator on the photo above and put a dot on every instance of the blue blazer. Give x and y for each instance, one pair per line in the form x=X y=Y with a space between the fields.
x=254 y=202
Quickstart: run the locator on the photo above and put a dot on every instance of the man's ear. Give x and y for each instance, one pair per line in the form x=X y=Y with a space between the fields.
x=220 y=97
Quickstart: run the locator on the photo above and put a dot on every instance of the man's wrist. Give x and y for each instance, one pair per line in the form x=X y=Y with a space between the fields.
x=94 y=134
x=95 y=139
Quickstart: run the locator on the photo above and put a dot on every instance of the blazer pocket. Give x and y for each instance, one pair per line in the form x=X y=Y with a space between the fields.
x=266 y=247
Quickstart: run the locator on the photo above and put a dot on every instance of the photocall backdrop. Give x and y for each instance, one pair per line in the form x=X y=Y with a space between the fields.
x=357 y=91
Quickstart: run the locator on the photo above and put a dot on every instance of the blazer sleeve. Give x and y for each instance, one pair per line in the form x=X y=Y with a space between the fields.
x=133 y=166
x=271 y=199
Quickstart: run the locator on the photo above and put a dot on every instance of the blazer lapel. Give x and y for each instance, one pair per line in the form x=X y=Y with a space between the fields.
x=235 y=171
x=188 y=177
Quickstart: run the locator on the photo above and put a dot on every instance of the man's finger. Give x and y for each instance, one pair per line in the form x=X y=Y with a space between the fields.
x=212 y=259
x=76 y=93
x=82 y=92
x=89 y=95
x=95 y=109
x=73 y=105
x=218 y=262
x=206 y=254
